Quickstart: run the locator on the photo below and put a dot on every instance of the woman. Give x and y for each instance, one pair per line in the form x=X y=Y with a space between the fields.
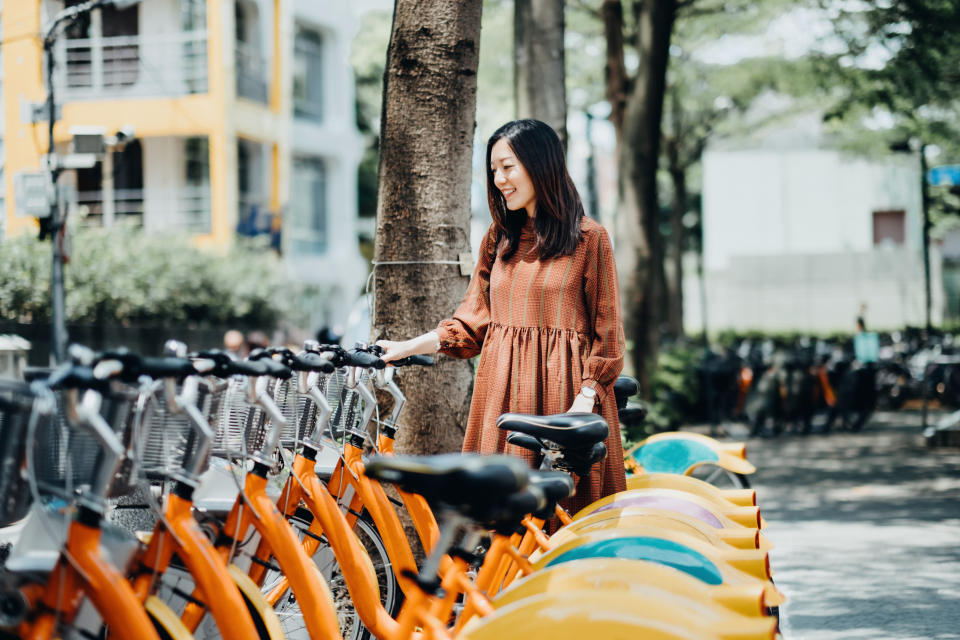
x=542 y=309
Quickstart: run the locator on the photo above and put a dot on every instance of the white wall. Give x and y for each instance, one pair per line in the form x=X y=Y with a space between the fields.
x=776 y=202
x=337 y=142
x=788 y=242
x=816 y=293
x=163 y=176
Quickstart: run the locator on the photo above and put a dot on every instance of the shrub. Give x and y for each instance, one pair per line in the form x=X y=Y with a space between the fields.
x=122 y=275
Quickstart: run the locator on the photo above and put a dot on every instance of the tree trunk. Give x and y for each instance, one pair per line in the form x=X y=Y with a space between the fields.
x=538 y=63
x=639 y=155
x=678 y=208
x=423 y=204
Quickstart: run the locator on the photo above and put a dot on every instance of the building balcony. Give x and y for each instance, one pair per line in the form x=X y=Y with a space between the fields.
x=178 y=210
x=163 y=65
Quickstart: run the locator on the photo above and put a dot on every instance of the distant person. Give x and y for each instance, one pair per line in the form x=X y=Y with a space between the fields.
x=866 y=344
x=866 y=352
x=233 y=343
x=328 y=335
x=542 y=309
x=257 y=340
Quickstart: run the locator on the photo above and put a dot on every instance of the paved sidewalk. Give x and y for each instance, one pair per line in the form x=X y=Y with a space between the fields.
x=867 y=531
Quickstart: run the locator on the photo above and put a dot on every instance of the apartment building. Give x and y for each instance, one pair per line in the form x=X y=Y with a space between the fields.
x=243 y=116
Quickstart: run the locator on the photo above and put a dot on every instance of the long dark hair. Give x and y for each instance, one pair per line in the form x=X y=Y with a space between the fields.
x=559 y=210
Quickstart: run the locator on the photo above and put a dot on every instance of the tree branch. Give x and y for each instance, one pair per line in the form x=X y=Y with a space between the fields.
x=616 y=71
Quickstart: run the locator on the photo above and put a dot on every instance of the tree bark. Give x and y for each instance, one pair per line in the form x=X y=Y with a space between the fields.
x=678 y=208
x=538 y=63
x=640 y=245
x=423 y=204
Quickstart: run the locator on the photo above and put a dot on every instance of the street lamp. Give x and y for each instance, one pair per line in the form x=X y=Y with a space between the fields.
x=57 y=224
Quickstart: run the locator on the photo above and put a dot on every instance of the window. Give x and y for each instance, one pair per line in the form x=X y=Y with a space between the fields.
x=888 y=227
x=308 y=74
x=118 y=55
x=195 y=199
x=307 y=228
x=251 y=65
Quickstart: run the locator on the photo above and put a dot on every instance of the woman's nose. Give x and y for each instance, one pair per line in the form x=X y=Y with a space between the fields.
x=499 y=178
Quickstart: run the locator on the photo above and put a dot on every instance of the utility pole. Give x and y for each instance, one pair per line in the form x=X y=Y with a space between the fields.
x=57 y=222
x=925 y=209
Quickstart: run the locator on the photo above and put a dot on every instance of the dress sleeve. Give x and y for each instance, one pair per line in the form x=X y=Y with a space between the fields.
x=602 y=294
x=462 y=335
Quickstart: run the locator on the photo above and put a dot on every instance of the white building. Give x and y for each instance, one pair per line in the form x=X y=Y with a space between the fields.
x=798 y=236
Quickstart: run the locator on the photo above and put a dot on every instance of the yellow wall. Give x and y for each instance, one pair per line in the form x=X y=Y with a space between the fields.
x=219 y=115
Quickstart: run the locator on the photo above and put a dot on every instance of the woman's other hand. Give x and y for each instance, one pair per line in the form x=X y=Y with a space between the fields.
x=581 y=404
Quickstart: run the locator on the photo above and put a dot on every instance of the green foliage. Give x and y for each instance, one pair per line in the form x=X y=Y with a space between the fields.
x=676 y=388
x=125 y=276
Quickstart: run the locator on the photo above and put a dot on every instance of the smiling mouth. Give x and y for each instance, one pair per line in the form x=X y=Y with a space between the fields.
x=508 y=192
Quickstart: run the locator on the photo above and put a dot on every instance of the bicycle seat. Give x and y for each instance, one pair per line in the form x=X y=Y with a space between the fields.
x=556 y=485
x=467 y=482
x=624 y=388
x=568 y=430
x=506 y=516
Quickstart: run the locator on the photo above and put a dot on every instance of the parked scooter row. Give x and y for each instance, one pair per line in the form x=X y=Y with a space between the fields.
x=819 y=385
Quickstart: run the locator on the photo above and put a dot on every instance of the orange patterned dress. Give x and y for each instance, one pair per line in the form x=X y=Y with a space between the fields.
x=543 y=329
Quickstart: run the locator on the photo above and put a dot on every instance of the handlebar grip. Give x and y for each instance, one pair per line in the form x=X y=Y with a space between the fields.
x=276 y=369
x=167 y=367
x=36 y=373
x=246 y=368
x=76 y=377
x=217 y=355
x=312 y=362
x=417 y=360
x=363 y=359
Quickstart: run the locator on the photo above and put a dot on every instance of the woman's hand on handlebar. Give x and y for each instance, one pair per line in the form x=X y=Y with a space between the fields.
x=427 y=343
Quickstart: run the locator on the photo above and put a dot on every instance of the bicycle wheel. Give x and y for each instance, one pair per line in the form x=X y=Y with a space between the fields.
x=178 y=582
x=720 y=477
x=166 y=623
x=351 y=627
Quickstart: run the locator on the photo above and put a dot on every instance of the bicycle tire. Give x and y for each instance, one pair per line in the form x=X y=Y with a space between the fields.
x=351 y=627
x=264 y=618
x=166 y=623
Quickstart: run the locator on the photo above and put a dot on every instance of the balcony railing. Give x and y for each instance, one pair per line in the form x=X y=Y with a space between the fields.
x=132 y=66
x=251 y=73
x=185 y=210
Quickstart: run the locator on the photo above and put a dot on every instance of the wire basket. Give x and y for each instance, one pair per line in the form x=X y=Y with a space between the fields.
x=17 y=404
x=297 y=408
x=67 y=458
x=348 y=408
x=241 y=427
x=170 y=442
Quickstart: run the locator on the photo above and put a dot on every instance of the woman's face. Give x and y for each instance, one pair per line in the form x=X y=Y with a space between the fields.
x=512 y=179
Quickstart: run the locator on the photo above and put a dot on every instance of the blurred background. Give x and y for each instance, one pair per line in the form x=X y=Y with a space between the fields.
x=216 y=165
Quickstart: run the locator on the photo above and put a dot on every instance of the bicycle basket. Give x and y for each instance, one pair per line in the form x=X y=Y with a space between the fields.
x=67 y=458
x=241 y=427
x=297 y=408
x=17 y=404
x=348 y=412
x=171 y=441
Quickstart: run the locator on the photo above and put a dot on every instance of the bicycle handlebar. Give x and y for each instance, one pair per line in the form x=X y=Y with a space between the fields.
x=73 y=376
x=271 y=367
x=306 y=361
x=417 y=360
